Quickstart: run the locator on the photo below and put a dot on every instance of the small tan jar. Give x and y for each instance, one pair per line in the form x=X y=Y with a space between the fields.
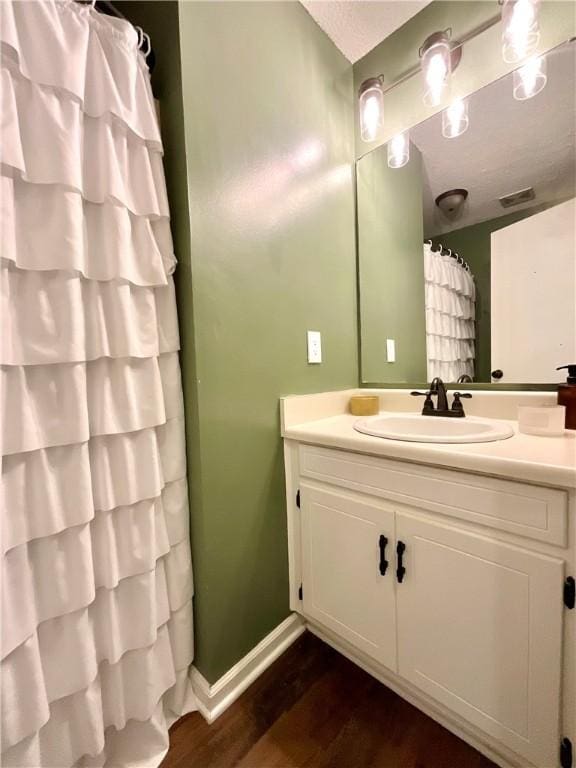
x=364 y=405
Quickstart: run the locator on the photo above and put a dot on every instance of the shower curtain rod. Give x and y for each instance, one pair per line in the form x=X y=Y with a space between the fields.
x=449 y=252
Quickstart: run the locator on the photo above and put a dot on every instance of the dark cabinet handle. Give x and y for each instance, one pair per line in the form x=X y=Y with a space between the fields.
x=400 y=570
x=497 y=374
x=383 y=562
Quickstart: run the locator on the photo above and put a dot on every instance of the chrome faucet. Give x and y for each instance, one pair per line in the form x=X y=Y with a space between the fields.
x=438 y=388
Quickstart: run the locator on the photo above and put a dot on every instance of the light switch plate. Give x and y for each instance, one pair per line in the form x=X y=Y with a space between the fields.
x=390 y=350
x=314 y=347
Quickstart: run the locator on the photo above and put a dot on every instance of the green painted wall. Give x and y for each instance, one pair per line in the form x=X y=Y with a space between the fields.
x=473 y=244
x=268 y=109
x=481 y=60
x=391 y=268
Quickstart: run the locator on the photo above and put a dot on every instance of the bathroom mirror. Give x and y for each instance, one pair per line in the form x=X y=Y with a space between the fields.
x=492 y=294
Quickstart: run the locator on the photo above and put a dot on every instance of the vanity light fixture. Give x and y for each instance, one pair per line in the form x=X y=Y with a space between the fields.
x=455 y=119
x=371 y=103
x=521 y=31
x=530 y=78
x=399 y=150
x=438 y=59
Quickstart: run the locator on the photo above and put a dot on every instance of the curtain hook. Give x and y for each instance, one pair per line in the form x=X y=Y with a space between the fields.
x=148 y=44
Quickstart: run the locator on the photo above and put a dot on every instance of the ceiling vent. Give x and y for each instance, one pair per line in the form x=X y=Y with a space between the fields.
x=516 y=198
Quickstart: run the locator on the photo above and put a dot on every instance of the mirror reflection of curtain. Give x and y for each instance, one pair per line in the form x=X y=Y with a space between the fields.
x=450 y=309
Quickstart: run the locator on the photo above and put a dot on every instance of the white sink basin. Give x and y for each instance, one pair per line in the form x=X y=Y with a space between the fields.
x=434 y=429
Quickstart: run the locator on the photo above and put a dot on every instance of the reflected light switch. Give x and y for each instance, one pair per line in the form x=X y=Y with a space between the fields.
x=390 y=350
x=314 y=347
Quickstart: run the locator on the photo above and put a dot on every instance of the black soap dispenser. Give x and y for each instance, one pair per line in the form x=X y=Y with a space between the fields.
x=567 y=395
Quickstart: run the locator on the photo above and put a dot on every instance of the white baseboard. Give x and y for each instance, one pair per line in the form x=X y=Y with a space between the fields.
x=214 y=699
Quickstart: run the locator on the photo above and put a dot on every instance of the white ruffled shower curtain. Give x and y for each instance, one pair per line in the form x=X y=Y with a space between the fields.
x=96 y=569
x=450 y=296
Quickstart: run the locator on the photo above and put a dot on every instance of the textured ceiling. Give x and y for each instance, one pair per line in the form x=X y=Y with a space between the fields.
x=510 y=145
x=357 y=26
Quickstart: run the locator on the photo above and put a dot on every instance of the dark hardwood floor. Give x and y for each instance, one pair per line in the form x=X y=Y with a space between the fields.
x=315 y=709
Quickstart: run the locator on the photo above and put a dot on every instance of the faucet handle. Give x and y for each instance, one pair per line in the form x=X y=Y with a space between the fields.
x=428 y=402
x=457 y=403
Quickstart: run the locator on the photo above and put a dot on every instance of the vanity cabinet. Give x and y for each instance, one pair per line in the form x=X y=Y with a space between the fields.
x=348 y=569
x=479 y=632
x=467 y=616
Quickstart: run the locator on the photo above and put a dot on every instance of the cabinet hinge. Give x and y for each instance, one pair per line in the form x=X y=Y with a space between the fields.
x=298 y=499
x=566 y=753
x=300 y=592
x=569 y=592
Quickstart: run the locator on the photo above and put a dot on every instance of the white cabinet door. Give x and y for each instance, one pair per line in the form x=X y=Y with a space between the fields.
x=346 y=539
x=479 y=630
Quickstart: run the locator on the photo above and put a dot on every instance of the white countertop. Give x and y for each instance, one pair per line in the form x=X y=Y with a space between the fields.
x=542 y=460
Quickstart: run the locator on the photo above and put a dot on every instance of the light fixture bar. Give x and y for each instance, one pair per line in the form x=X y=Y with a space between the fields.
x=417 y=68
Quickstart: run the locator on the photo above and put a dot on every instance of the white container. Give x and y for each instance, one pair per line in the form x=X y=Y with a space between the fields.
x=545 y=420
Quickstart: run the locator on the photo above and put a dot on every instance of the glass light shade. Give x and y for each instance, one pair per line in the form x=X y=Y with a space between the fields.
x=521 y=31
x=455 y=119
x=371 y=106
x=530 y=78
x=399 y=150
x=436 y=67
